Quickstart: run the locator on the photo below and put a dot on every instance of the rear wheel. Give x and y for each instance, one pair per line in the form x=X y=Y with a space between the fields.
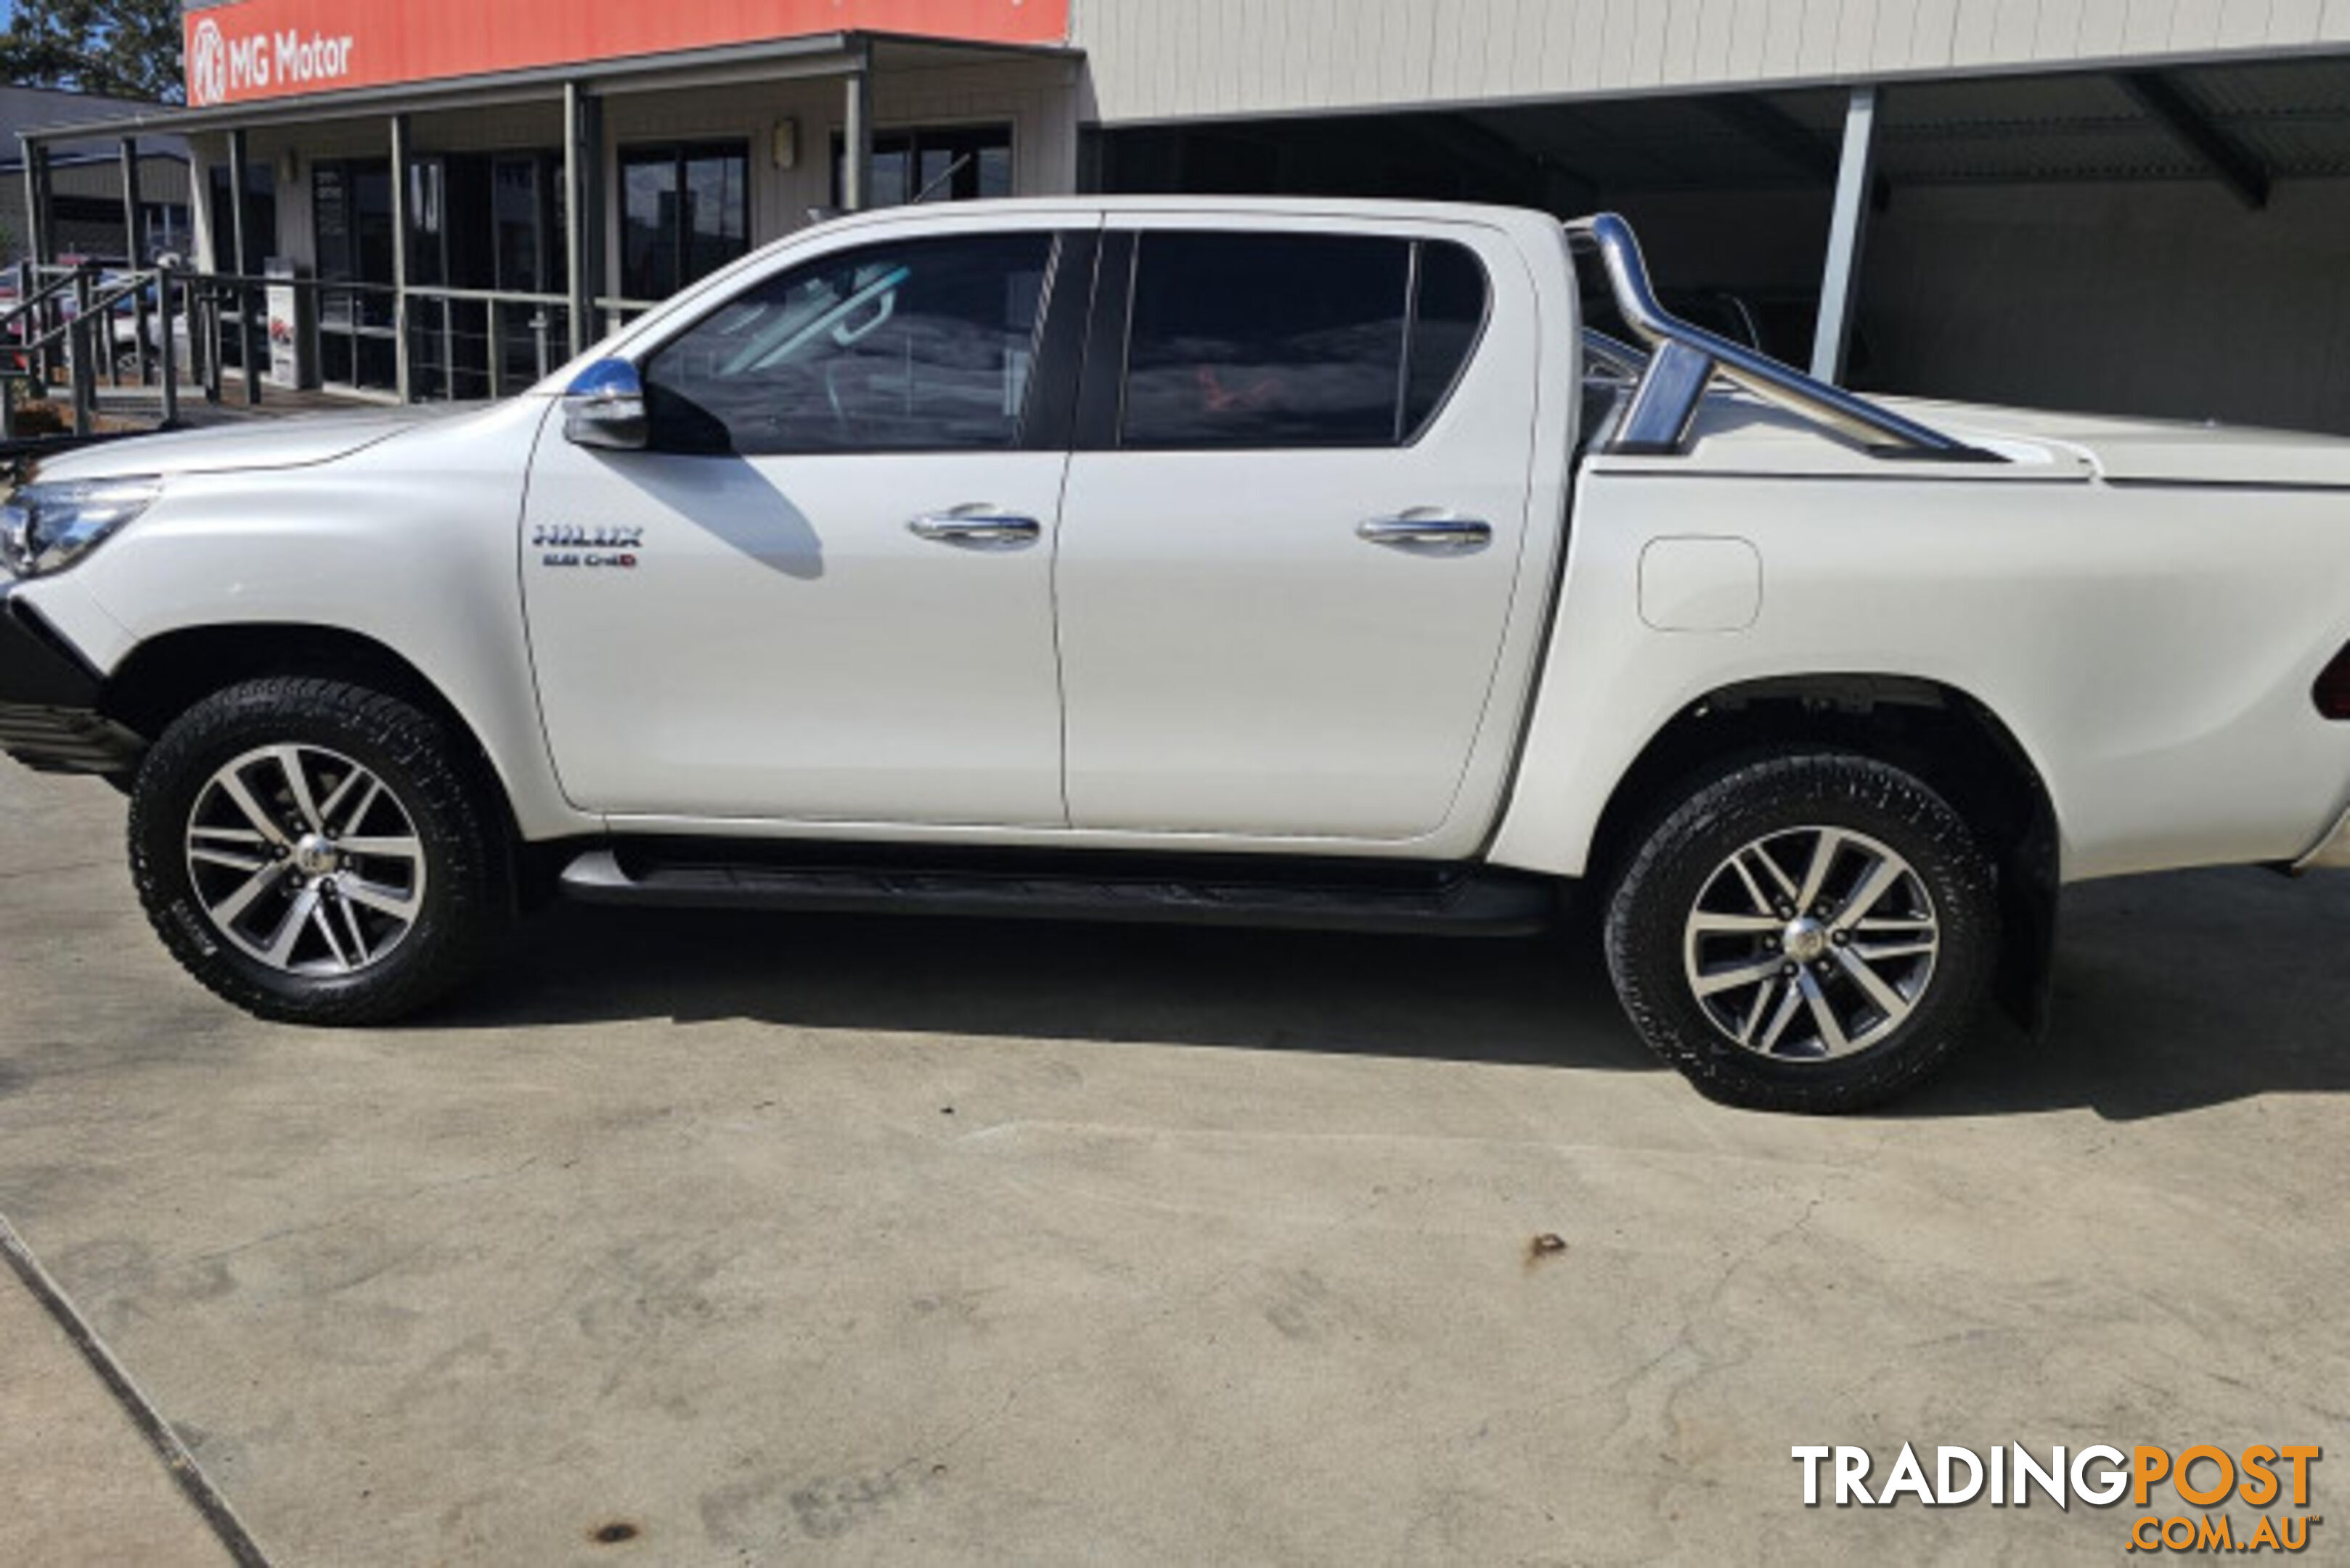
x=316 y=852
x=1812 y=933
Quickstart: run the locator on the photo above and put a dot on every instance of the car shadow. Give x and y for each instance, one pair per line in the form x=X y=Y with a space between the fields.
x=1526 y=1001
x=2173 y=992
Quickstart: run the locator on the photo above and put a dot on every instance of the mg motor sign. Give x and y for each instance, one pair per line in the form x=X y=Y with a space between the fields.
x=280 y=48
x=223 y=68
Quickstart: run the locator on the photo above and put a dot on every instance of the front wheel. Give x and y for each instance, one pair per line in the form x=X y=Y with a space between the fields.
x=1810 y=932
x=316 y=852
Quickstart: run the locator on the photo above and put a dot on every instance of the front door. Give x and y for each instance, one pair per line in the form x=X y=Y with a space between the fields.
x=825 y=592
x=1287 y=567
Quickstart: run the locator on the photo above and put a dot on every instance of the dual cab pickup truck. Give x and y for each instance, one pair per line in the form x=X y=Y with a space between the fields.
x=1284 y=563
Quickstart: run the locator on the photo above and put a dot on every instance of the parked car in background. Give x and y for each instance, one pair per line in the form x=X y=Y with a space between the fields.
x=1260 y=562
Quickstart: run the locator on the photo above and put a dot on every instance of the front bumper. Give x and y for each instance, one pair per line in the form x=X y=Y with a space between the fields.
x=49 y=700
x=2333 y=850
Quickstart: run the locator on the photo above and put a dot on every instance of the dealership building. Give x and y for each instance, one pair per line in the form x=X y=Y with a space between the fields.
x=2140 y=205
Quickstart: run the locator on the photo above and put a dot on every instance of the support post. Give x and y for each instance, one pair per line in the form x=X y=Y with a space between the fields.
x=401 y=370
x=134 y=241
x=1840 y=286
x=167 y=349
x=191 y=311
x=496 y=364
x=583 y=211
x=247 y=362
x=212 y=347
x=856 y=133
x=41 y=245
x=35 y=229
x=84 y=337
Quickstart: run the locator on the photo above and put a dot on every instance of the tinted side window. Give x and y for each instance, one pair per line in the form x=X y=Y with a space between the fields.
x=1296 y=340
x=1447 y=315
x=924 y=345
x=1265 y=340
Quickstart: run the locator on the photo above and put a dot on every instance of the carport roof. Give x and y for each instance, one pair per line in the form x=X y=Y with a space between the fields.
x=2249 y=122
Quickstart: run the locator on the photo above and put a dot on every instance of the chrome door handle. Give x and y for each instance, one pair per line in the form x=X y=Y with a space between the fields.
x=977 y=526
x=1442 y=533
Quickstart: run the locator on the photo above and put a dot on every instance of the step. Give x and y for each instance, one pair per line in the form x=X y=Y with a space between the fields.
x=1296 y=895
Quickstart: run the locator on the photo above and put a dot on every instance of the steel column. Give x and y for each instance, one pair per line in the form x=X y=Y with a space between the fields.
x=400 y=367
x=856 y=133
x=37 y=216
x=583 y=210
x=134 y=242
x=1840 y=287
x=167 y=347
x=248 y=364
x=84 y=338
x=41 y=245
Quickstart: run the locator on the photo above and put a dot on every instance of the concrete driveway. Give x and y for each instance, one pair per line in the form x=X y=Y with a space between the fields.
x=740 y=1240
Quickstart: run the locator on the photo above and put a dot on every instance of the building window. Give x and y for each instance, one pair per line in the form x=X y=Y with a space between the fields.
x=166 y=224
x=942 y=163
x=685 y=212
x=1294 y=341
x=260 y=218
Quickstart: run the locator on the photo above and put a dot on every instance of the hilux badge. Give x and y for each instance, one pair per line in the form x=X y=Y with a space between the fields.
x=568 y=544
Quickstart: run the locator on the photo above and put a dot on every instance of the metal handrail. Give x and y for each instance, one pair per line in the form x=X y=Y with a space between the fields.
x=226 y=282
x=88 y=336
x=1685 y=357
x=59 y=284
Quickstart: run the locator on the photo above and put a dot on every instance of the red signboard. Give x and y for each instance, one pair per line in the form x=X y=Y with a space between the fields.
x=282 y=48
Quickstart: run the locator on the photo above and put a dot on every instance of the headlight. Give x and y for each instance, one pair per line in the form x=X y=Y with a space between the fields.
x=47 y=527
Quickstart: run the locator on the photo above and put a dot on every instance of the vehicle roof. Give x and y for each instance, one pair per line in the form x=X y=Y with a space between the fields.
x=1374 y=208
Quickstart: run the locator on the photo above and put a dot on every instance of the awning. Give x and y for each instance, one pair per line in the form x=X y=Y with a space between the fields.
x=815 y=56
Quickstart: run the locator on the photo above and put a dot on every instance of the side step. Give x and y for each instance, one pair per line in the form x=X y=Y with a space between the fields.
x=1465 y=901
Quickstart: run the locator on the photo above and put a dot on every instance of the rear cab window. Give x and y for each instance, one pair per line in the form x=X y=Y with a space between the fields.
x=1261 y=340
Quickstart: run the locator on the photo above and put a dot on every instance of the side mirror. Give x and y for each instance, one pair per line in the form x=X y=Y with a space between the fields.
x=605 y=405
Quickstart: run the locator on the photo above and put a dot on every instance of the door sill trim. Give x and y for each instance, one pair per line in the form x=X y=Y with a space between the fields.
x=1468 y=900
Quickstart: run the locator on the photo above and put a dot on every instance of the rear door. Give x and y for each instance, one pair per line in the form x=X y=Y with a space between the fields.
x=1294 y=526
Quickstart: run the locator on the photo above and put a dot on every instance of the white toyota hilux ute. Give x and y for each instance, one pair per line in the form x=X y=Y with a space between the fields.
x=1283 y=562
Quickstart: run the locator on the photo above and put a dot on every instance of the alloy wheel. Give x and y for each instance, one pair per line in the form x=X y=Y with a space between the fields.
x=1811 y=943
x=305 y=860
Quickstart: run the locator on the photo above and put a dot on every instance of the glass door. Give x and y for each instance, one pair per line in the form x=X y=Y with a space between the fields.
x=527 y=228
x=351 y=214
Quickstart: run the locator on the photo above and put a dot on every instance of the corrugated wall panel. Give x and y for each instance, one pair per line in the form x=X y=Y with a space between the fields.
x=2058 y=34
x=1856 y=42
x=2102 y=27
x=2147 y=29
x=1681 y=18
x=1647 y=64
x=2244 y=24
x=1156 y=59
x=2014 y=31
x=1525 y=63
x=2294 y=21
x=2195 y=25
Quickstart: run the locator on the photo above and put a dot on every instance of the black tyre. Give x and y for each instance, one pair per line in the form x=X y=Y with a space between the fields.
x=1807 y=932
x=318 y=853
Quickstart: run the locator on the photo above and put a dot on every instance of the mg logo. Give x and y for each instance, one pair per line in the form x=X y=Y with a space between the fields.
x=207 y=64
x=221 y=67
